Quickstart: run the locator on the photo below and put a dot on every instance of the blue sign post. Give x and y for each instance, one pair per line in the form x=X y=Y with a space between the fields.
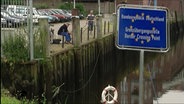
x=142 y=28
x=145 y=29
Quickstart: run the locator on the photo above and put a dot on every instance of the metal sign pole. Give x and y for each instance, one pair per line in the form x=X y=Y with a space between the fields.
x=141 y=77
x=155 y=2
x=99 y=7
x=133 y=36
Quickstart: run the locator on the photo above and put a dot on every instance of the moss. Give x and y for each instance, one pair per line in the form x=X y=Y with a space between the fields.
x=9 y=100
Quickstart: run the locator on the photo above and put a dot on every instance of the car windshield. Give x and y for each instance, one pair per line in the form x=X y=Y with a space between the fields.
x=20 y=10
x=10 y=10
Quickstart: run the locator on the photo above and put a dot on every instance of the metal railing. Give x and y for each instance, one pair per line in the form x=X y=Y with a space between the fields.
x=85 y=34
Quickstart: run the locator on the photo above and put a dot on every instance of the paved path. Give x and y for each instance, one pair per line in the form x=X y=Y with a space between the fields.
x=55 y=48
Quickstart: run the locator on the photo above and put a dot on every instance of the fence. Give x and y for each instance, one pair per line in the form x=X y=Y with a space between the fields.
x=107 y=28
x=16 y=41
x=17 y=18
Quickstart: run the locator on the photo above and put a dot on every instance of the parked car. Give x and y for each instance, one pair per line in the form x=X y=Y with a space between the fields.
x=11 y=21
x=24 y=11
x=3 y=22
x=81 y=16
x=61 y=17
x=52 y=18
x=60 y=11
x=67 y=12
x=12 y=14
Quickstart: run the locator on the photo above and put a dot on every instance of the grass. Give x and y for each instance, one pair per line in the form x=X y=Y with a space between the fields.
x=6 y=98
x=9 y=100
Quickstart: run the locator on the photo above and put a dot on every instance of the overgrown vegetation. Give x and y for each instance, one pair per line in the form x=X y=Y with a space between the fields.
x=69 y=6
x=15 y=52
x=7 y=98
x=41 y=6
x=15 y=49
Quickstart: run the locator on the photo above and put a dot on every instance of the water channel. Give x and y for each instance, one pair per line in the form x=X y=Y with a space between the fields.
x=120 y=68
x=125 y=80
x=171 y=92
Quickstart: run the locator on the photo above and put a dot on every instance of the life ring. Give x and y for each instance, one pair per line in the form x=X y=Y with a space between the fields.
x=104 y=95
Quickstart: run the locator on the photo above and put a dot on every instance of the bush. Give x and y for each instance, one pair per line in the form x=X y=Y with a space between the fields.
x=15 y=48
x=41 y=6
x=80 y=7
x=7 y=98
x=69 y=6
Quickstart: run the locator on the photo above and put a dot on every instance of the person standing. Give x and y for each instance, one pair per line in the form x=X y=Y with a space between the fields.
x=63 y=30
x=90 y=21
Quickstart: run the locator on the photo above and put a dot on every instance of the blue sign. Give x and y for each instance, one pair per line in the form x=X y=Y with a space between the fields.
x=142 y=28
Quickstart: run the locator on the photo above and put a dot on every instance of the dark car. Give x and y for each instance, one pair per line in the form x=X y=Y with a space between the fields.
x=52 y=18
x=61 y=17
x=60 y=11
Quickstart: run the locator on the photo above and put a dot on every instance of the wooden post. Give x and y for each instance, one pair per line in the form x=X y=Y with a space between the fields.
x=78 y=72
x=44 y=30
x=94 y=31
x=76 y=31
x=99 y=26
x=81 y=34
x=104 y=27
x=114 y=24
x=48 y=83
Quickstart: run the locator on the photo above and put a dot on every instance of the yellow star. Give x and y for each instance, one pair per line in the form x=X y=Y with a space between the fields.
x=131 y=27
x=136 y=39
x=132 y=34
x=148 y=40
x=142 y=42
x=137 y=15
x=152 y=36
x=152 y=21
x=147 y=16
x=153 y=28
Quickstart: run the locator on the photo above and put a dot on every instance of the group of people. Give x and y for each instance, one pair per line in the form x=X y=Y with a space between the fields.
x=63 y=30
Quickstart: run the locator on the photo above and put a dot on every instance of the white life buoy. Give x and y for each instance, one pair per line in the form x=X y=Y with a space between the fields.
x=106 y=94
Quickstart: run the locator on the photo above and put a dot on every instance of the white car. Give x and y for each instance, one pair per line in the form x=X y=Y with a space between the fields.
x=3 y=22
x=24 y=12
